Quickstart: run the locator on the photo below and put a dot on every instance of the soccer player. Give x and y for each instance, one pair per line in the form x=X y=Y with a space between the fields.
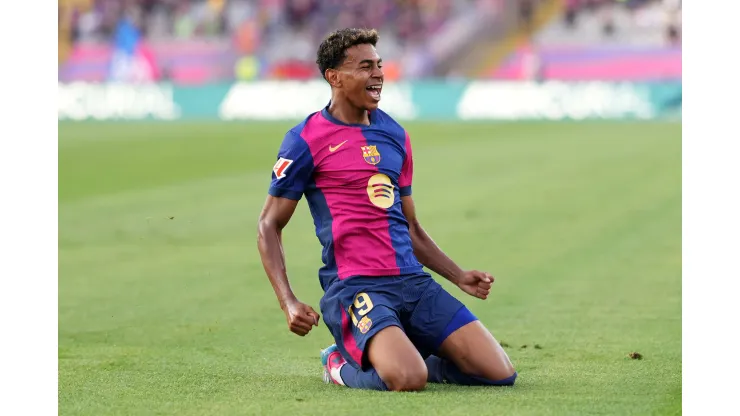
x=394 y=327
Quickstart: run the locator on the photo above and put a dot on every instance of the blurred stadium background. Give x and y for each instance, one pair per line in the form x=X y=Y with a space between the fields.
x=209 y=45
x=170 y=117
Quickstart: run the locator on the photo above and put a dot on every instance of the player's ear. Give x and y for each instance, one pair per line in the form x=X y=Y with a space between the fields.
x=333 y=78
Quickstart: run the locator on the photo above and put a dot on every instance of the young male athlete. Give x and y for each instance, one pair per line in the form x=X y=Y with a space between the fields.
x=394 y=326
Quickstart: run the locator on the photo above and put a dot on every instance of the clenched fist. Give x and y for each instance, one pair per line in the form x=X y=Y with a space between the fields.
x=301 y=317
x=476 y=283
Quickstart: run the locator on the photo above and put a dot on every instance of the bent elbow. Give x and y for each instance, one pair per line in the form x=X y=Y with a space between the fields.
x=264 y=225
x=267 y=226
x=416 y=232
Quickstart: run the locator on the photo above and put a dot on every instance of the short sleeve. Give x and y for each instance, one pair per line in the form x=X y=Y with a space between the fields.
x=407 y=170
x=293 y=169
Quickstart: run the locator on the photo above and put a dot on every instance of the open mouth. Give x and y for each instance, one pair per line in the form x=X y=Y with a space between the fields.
x=374 y=91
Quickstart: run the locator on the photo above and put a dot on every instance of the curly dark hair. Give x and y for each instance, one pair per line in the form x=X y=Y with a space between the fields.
x=332 y=50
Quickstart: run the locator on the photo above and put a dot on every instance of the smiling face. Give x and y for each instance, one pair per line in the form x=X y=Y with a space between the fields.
x=359 y=78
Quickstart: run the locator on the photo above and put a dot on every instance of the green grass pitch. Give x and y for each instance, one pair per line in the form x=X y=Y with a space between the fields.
x=164 y=307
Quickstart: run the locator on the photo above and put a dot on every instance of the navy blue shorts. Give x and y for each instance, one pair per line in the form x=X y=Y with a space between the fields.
x=357 y=308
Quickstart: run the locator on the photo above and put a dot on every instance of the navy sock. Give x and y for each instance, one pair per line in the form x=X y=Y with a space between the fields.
x=444 y=371
x=358 y=379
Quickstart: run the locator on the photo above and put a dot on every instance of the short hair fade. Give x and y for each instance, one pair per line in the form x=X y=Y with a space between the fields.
x=332 y=50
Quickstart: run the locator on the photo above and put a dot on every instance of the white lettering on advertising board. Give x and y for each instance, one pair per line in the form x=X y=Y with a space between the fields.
x=552 y=101
x=278 y=100
x=82 y=101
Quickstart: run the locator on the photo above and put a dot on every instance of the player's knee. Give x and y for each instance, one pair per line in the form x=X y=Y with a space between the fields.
x=508 y=381
x=493 y=371
x=407 y=379
x=511 y=370
x=506 y=376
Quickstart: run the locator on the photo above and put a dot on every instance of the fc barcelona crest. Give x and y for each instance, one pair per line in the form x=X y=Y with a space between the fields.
x=365 y=324
x=371 y=154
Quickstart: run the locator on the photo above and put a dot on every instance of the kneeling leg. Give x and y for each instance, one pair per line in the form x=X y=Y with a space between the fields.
x=394 y=363
x=471 y=356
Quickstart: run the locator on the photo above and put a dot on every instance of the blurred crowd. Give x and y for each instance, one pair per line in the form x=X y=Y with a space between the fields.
x=95 y=20
x=210 y=40
x=664 y=14
x=280 y=34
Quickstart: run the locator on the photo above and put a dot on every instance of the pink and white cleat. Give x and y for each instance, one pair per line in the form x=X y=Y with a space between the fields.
x=332 y=361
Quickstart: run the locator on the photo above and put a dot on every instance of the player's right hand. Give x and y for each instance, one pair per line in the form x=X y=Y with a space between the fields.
x=301 y=317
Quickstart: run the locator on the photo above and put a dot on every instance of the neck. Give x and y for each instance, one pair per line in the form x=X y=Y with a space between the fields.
x=345 y=112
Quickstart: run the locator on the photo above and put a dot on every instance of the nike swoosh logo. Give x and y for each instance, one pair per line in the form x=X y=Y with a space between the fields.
x=334 y=148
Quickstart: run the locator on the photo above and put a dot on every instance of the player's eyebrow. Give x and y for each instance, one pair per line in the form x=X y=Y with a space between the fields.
x=370 y=61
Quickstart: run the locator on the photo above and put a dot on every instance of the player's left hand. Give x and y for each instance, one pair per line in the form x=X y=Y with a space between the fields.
x=476 y=283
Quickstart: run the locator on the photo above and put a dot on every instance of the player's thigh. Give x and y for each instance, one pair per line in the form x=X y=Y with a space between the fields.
x=435 y=315
x=355 y=312
x=476 y=352
x=397 y=360
x=444 y=326
x=354 y=319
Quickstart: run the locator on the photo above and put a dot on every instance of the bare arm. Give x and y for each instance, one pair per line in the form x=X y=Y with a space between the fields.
x=425 y=249
x=473 y=282
x=274 y=217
